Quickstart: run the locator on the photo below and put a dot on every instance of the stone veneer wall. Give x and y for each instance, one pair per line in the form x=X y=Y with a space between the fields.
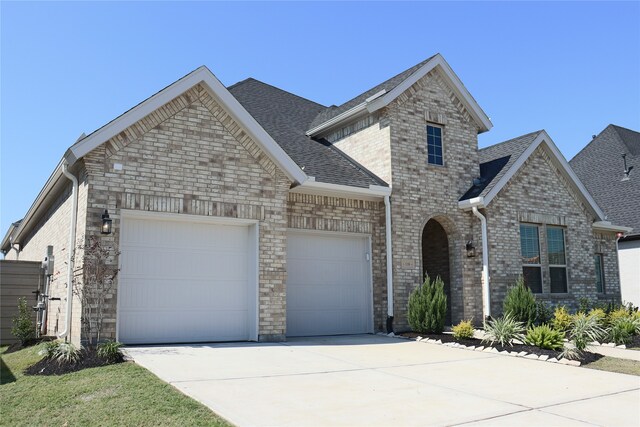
x=190 y=157
x=53 y=229
x=422 y=191
x=315 y=212
x=539 y=195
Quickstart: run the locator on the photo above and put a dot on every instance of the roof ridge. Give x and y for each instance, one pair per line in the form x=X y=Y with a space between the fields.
x=275 y=87
x=512 y=139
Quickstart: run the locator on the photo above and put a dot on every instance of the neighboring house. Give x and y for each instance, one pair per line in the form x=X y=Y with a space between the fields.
x=607 y=175
x=250 y=213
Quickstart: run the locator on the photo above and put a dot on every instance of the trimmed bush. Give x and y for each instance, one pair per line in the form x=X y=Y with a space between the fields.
x=561 y=319
x=463 y=330
x=428 y=307
x=503 y=331
x=545 y=337
x=599 y=315
x=544 y=313
x=583 y=330
x=24 y=327
x=109 y=350
x=619 y=313
x=520 y=304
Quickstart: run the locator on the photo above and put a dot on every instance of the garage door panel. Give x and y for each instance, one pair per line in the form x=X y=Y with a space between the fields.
x=184 y=281
x=328 y=284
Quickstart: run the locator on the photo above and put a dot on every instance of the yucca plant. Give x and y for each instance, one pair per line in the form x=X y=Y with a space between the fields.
x=66 y=353
x=545 y=337
x=503 y=331
x=622 y=330
x=428 y=307
x=583 y=330
x=109 y=350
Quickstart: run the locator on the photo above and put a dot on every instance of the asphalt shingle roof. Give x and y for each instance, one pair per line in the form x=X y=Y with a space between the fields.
x=600 y=168
x=286 y=117
x=387 y=85
x=496 y=160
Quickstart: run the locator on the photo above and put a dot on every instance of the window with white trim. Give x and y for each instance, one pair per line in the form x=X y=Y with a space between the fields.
x=557 y=260
x=434 y=145
x=599 y=265
x=530 y=251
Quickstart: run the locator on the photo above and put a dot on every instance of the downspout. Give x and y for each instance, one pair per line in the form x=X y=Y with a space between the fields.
x=72 y=249
x=486 y=301
x=387 y=211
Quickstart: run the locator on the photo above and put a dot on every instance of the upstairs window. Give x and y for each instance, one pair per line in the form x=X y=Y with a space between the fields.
x=434 y=145
x=557 y=260
x=599 y=264
x=530 y=251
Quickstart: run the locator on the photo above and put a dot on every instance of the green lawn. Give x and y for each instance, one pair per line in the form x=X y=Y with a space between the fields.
x=613 y=364
x=122 y=394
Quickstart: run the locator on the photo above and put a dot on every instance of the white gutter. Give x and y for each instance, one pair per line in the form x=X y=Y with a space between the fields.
x=311 y=186
x=387 y=212
x=486 y=299
x=71 y=249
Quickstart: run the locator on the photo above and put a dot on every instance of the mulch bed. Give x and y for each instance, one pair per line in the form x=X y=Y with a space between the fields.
x=89 y=359
x=634 y=344
x=587 y=357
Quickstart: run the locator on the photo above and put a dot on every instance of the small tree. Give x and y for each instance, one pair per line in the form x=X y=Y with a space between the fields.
x=24 y=328
x=520 y=303
x=428 y=306
x=95 y=286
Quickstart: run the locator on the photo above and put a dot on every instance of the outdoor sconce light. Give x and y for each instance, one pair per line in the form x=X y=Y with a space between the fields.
x=471 y=249
x=106 y=223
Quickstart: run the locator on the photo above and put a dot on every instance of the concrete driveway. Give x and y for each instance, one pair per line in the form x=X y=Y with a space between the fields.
x=369 y=380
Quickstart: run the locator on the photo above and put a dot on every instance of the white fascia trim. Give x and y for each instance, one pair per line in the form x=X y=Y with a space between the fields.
x=349 y=114
x=607 y=226
x=477 y=202
x=220 y=93
x=380 y=100
x=311 y=186
x=543 y=137
x=44 y=193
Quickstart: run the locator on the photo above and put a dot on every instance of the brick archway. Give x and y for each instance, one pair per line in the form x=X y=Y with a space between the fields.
x=435 y=258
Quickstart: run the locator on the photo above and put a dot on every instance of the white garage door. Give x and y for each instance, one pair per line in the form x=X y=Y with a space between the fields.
x=328 y=284
x=185 y=281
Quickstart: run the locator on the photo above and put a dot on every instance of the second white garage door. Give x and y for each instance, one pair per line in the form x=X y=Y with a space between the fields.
x=186 y=279
x=328 y=284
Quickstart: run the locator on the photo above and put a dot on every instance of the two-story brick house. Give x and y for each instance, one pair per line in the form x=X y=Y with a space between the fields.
x=249 y=213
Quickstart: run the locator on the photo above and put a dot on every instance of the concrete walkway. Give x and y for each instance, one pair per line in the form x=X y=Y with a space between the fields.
x=369 y=380
x=620 y=353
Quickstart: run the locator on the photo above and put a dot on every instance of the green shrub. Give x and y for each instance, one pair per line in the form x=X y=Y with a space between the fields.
x=622 y=330
x=24 y=327
x=463 y=330
x=544 y=313
x=520 y=304
x=619 y=313
x=428 y=307
x=600 y=316
x=583 y=330
x=109 y=350
x=503 y=331
x=584 y=305
x=561 y=319
x=545 y=337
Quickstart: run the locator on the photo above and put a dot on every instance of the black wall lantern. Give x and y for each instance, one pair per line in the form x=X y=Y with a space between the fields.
x=106 y=223
x=471 y=249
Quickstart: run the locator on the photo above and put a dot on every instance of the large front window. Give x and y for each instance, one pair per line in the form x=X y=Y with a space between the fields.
x=530 y=250
x=557 y=260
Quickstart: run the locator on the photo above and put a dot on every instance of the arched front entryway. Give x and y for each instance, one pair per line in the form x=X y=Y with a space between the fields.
x=435 y=258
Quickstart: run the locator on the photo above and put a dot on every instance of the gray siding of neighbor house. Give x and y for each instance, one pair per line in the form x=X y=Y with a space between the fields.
x=17 y=279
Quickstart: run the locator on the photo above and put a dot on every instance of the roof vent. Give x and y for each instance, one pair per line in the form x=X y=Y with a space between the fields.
x=627 y=170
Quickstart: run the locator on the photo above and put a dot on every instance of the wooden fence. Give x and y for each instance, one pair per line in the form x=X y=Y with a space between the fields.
x=17 y=279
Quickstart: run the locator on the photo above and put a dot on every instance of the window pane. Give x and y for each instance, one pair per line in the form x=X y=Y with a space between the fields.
x=529 y=244
x=558 y=277
x=533 y=278
x=434 y=145
x=555 y=243
x=599 y=273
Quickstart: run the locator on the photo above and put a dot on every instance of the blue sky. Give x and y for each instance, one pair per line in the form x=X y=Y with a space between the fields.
x=67 y=68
